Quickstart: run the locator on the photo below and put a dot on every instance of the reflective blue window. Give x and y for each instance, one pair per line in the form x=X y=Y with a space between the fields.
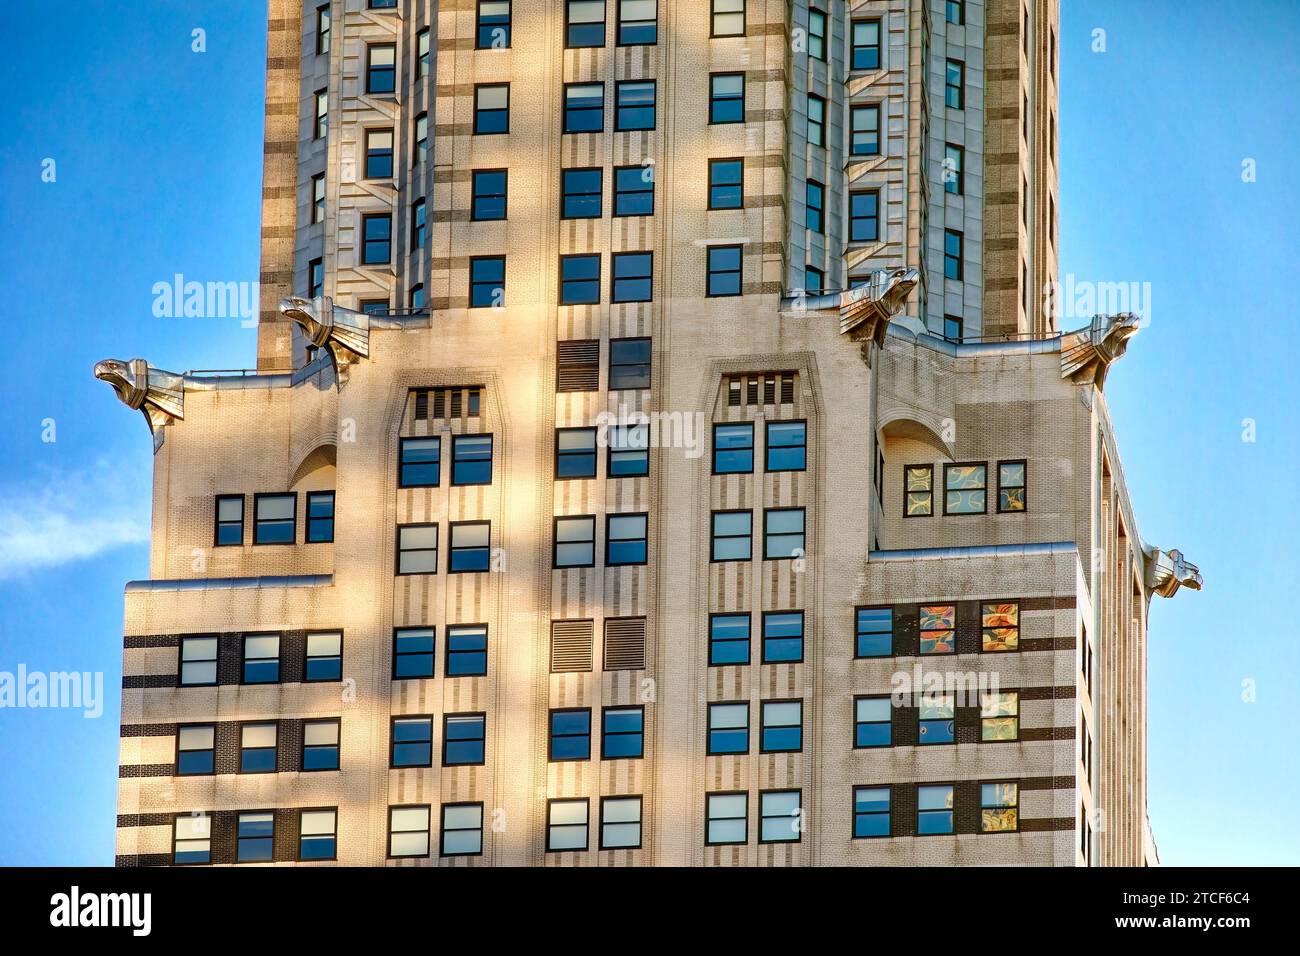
x=733 y=449
x=570 y=735
x=467 y=650
x=623 y=733
x=471 y=460
x=464 y=737
x=782 y=636
x=729 y=639
x=787 y=444
x=874 y=635
x=871 y=811
x=412 y=742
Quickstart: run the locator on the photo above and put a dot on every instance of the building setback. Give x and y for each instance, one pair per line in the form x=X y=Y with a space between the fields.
x=572 y=514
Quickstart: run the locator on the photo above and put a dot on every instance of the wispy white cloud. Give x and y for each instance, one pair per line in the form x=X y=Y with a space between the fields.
x=69 y=516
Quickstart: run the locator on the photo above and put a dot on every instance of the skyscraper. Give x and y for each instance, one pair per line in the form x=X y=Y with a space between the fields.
x=658 y=453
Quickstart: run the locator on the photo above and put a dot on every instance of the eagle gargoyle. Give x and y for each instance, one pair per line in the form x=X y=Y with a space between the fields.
x=1167 y=571
x=345 y=334
x=1087 y=354
x=157 y=393
x=865 y=311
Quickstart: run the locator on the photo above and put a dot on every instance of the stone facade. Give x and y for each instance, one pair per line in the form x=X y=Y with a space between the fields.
x=834 y=547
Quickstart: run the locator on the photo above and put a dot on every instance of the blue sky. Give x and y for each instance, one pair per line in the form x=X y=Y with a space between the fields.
x=158 y=171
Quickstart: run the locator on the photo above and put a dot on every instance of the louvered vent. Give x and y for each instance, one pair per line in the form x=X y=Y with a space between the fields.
x=625 y=644
x=767 y=388
x=571 y=643
x=578 y=366
x=422 y=405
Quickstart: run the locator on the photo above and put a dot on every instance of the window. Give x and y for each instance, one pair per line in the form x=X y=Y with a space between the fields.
x=780 y=815
x=408 y=831
x=1011 y=486
x=999 y=807
x=470 y=549
x=724 y=271
x=873 y=722
x=954 y=92
x=816 y=34
x=733 y=449
x=493 y=30
x=787 y=444
x=261 y=659
x=629 y=451
x=783 y=533
x=874 y=632
x=195 y=750
x=728 y=639
x=419 y=224
x=870 y=812
x=625 y=540
x=629 y=363
x=422 y=54
x=732 y=534
x=579 y=280
x=321 y=125
x=463 y=739
x=954 y=176
x=864 y=216
x=230 y=520
x=938 y=629
x=964 y=489
x=324 y=657
x=1000 y=717
x=275 y=519
x=634 y=191
x=575 y=453
x=637 y=22
x=417 y=549
x=381 y=68
x=320 y=745
x=257 y=746
x=620 y=823
x=935 y=720
x=462 y=829
x=952 y=254
x=815 y=196
x=782 y=726
x=584 y=23
x=816 y=121
x=413 y=652
x=318 y=198
x=379 y=154
x=575 y=542
x=317 y=834
x=471 y=460
x=728 y=18
x=412 y=742
x=866 y=131
x=866 y=45
x=631 y=281
x=953 y=328
x=934 y=806
x=1000 y=627
x=420 y=464
x=489 y=195
x=382 y=4
x=570 y=735
x=622 y=733
x=322 y=30
x=421 y=139
x=726 y=183
x=728 y=728
x=584 y=107
x=581 y=191
x=727 y=818
x=566 y=825
x=320 y=517
x=634 y=105
x=918 y=482
x=377 y=239
x=491 y=109
x=192 y=839
x=487 y=282
x=255 y=837
x=955 y=12
x=315 y=278
x=198 y=661
x=782 y=637
x=726 y=98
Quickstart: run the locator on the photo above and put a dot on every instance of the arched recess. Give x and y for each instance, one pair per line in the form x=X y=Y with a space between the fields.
x=910 y=426
x=316 y=470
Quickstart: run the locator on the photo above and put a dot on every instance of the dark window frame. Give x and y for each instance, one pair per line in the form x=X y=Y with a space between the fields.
x=709 y=819
x=451 y=655
x=749 y=638
x=763 y=636
x=334 y=837
x=257 y=498
x=480 y=113
x=452 y=547
x=372 y=71
x=751 y=449
x=482 y=741
x=311 y=521
x=768 y=446
x=948 y=466
x=240 y=726
x=555 y=541
x=397 y=545
x=551 y=735
x=562 y=455
x=713 y=164
x=566 y=109
x=858 y=633
x=565 y=194
x=604 y=732
x=367 y=242
x=595 y=283
x=338 y=745
x=907 y=469
x=798 y=833
x=619 y=108
x=640 y=820
x=378 y=154
x=857 y=745
x=739 y=271
x=713 y=535
x=479 y=25
x=211 y=750
x=491 y=459
x=392 y=739
x=474 y=263
x=475 y=195
x=620 y=192
x=402 y=463
x=217 y=522
x=244 y=658
x=708 y=728
x=767 y=512
x=763 y=726
x=432 y=653
x=720 y=102
x=615 y=278
x=1023 y=488
x=610 y=518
